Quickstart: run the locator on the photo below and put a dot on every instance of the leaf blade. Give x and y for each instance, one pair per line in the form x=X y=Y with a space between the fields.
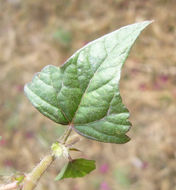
x=84 y=92
x=77 y=168
x=42 y=94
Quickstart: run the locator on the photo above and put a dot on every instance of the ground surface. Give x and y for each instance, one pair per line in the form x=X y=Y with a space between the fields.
x=35 y=33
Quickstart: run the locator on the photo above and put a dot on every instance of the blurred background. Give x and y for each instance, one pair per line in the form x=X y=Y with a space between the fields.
x=35 y=33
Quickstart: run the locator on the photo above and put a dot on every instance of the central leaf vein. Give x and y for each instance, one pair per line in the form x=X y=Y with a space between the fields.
x=91 y=81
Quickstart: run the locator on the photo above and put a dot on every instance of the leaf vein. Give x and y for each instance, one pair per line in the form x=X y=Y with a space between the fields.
x=90 y=83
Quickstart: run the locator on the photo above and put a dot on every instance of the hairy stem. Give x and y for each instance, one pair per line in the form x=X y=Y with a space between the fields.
x=30 y=181
x=32 y=178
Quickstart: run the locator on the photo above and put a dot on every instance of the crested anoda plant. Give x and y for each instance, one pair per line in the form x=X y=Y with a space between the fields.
x=83 y=95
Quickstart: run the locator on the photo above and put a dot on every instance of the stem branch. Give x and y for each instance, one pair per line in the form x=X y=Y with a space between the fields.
x=31 y=179
x=67 y=134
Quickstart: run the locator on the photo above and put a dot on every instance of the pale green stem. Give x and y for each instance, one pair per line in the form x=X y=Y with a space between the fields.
x=32 y=178
x=67 y=134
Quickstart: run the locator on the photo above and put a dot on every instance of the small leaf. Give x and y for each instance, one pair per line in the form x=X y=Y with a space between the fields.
x=84 y=92
x=19 y=178
x=77 y=168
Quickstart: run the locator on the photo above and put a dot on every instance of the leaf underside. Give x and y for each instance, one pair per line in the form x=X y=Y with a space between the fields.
x=77 y=168
x=84 y=92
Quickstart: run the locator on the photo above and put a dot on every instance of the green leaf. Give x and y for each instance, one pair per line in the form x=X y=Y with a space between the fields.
x=77 y=168
x=84 y=92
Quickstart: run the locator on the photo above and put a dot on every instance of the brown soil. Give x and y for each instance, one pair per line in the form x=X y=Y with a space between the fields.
x=31 y=37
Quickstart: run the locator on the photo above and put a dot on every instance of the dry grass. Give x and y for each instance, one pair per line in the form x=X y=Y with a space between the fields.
x=31 y=37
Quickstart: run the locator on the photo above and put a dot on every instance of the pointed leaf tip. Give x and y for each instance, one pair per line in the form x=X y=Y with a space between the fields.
x=84 y=91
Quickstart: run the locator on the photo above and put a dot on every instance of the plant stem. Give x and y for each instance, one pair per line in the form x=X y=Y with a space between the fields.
x=32 y=178
x=67 y=134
